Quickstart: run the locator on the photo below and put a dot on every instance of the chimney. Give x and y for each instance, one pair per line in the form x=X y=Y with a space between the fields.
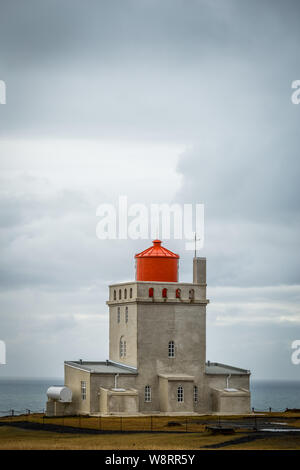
x=199 y=270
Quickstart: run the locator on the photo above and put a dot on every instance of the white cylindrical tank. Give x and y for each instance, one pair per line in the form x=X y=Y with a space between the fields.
x=62 y=394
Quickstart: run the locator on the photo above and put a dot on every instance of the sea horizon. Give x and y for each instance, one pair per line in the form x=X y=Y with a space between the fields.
x=29 y=393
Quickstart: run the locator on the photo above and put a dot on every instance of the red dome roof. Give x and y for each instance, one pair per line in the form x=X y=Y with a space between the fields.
x=157 y=251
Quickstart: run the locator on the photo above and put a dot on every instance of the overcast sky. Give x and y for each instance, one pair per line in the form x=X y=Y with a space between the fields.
x=164 y=101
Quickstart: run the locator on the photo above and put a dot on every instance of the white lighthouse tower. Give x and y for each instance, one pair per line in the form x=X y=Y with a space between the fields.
x=157 y=349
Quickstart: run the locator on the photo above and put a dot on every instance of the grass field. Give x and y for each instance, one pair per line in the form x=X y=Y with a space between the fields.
x=35 y=431
x=14 y=438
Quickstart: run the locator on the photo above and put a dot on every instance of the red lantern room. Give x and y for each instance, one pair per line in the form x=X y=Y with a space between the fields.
x=157 y=264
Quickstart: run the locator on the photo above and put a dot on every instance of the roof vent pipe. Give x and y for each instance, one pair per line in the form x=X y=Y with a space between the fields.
x=227 y=381
x=116 y=381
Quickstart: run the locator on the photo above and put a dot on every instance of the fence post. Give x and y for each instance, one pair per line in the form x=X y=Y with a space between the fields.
x=270 y=409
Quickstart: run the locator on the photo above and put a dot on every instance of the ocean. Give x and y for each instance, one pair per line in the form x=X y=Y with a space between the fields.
x=21 y=395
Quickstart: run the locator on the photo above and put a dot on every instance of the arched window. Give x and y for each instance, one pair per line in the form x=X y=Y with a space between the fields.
x=178 y=293
x=125 y=293
x=165 y=292
x=180 y=394
x=191 y=294
x=171 y=349
x=119 y=315
x=115 y=294
x=126 y=314
x=120 y=294
x=195 y=394
x=151 y=291
x=130 y=293
x=122 y=347
x=147 y=394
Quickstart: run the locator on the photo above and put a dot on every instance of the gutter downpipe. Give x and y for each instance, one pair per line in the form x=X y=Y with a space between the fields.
x=116 y=380
x=227 y=380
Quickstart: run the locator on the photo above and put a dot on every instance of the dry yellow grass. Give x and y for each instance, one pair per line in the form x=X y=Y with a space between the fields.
x=20 y=439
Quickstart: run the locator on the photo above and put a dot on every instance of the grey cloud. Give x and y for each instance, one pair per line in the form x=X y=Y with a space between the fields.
x=92 y=68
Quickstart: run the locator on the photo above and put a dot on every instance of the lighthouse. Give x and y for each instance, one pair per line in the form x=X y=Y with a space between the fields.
x=157 y=349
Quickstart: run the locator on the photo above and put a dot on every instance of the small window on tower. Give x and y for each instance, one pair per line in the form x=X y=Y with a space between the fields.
x=115 y=295
x=151 y=291
x=130 y=293
x=191 y=294
x=123 y=347
x=171 y=349
x=119 y=315
x=165 y=292
x=125 y=294
x=180 y=394
x=178 y=293
x=120 y=294
x=126 y=315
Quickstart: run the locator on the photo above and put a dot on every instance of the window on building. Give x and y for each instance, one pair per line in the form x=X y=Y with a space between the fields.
x=178 y=293
x=120 y=294
x=119 y=314
x=147 y=393
x=171 y=349
x=83 y=390
x=126 y=315
x=125 y=293
x=123 y=347
x=165 y=292
x=115 y=295
x=151 y=291
x=130 y=293
x=195 y=394
x=180 y=394
x=191 y=294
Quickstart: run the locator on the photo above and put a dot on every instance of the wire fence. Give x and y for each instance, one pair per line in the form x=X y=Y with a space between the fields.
x=151 y=423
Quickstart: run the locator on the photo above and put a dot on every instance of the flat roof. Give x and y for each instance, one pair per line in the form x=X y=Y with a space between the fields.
x=102 y=367
x=216 y=368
